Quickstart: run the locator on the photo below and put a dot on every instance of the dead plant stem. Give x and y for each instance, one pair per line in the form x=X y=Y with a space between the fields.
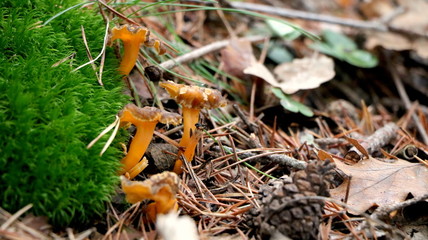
x=379 y=25
x=403 y=94
x=215 y=46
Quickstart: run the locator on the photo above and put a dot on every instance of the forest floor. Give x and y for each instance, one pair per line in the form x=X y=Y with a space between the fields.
x=337 y=101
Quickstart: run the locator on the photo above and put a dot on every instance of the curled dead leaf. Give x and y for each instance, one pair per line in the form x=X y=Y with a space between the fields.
x=237 y=56
x=304 y=73
x=380 y=183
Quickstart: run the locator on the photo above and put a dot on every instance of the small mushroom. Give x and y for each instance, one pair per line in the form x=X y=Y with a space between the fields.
x=145 y=120
x=161 y=188
x=132 y=37
x=192 y=100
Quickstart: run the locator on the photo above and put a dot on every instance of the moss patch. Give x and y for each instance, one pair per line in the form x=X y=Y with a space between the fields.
x=49 y=114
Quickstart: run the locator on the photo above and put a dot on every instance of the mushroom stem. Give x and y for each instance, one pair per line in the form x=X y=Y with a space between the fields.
x=192 y=100
x=138 y=146
x=161 y=188
x=130 y=56
x=190 y=118
x=189 y=152
x=139 y=167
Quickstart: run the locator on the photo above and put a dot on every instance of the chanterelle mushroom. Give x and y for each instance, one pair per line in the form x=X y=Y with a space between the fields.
x=132 y=37
x=145 y=120
x=192 y=100
x=161 y=188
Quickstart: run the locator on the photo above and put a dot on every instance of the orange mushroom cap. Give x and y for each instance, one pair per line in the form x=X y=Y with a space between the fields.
x=132 y=37
x=192 y=99
x=161 y=188
x=136 y=115
x=145 y=120
x=129 y=33
x=194 y=96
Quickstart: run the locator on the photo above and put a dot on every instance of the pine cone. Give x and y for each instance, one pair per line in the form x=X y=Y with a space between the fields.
x=281 y=213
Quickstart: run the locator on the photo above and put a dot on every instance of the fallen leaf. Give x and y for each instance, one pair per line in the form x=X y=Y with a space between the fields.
x=358 y=146
x=414 y=18
x=304 y=73
x=259 y=70
x=420 y=45
x=376 y=8
x=237 y=56
x=323 y=155
x=239 y=61
x=380 y=183
x=391 y=41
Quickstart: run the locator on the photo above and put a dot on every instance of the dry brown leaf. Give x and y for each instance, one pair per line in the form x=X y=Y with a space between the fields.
x=376 y=8
x=420 y=45
x=237 y=56
x=304 y=73
x=387 y=40
x=259 y=70
x=238 y=59
x=376 y=182
x=323 y=155
x=414 y=18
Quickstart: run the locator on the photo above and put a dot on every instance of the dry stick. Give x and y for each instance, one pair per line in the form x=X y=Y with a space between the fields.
x=120 y=15
x=329 y=141
x=272 y=158
x=70 y=234
x=374 y=142
x=403 y=95
x=383 y=212
x=15 y=216
x=290 y=13
x=215 y=46
x=13 y=219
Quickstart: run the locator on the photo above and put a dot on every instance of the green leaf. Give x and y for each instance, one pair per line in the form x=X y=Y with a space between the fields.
x=290 y=104
x=343 y=48
x=278 y=93
x=283 y=30
x=327 y=49
x=336 y=39
x=279 y=54
x=361 y=58
x=303 y=109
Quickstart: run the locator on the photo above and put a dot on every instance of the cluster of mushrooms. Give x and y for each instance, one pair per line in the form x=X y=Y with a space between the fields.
x=163 y=187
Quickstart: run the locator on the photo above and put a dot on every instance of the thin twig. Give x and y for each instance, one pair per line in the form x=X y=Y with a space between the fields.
x=120 y=15
x=215 y=46
x=403 y=95
x=378 y=25
x=272 y=158
x=384 y=211
x=374 y=142
x=15 y=216
x=291 y=13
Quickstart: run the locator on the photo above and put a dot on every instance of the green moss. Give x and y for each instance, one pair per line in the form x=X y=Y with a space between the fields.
x=49 y=114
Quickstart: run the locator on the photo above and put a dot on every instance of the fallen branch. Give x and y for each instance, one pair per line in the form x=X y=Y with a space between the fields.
x=197 y=53
x=379 y=25
x=374 y=142
x=280 y=159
